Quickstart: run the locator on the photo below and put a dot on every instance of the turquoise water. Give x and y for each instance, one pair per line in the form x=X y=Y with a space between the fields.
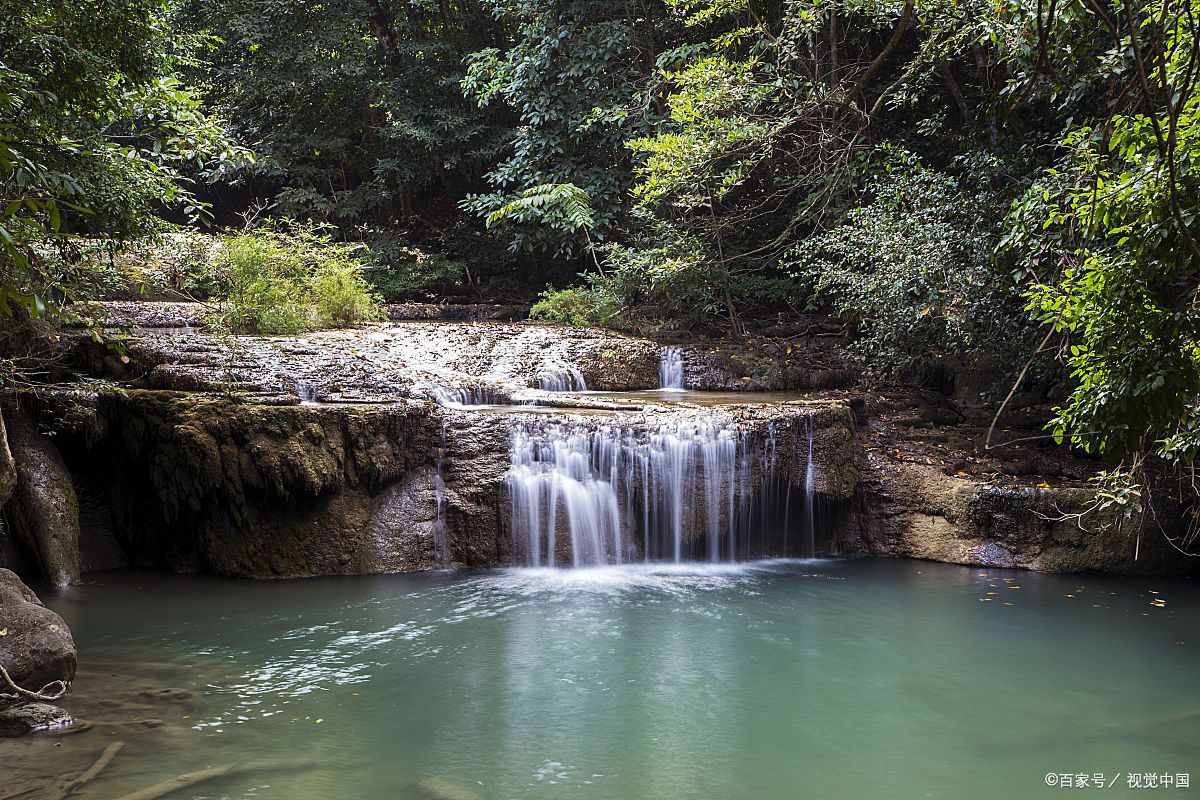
x=805 y=679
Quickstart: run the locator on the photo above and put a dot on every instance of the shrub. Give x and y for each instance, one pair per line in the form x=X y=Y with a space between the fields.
x=913 y=270
x=286 y=281
x=342 y=297
x=177 y=265
x=578 y=305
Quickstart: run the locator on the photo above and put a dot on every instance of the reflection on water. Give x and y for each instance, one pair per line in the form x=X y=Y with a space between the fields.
x=781 y=679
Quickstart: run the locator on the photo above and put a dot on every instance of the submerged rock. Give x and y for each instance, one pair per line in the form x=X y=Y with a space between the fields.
x=36 y=647
x=30 y=717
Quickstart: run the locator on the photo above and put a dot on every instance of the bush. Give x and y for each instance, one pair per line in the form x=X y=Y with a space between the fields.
x=176 y=265
x=342 y=297
x=287 y=281
x=578 y=305
x=914 y=270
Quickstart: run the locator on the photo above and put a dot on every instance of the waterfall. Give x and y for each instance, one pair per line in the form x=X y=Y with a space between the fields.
x=463 y=396
x=306 y=392
x=440 y=549
x=693 y=488
x=670 y=369
x=810 y=492
x=564 y=378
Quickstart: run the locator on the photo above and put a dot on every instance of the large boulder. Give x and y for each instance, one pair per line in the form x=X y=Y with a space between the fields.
x=36 y=647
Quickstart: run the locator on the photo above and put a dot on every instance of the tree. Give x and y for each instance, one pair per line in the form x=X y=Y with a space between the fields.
x=97 y=135
x=573 y=77
x=1112 y=229
x=354 y=106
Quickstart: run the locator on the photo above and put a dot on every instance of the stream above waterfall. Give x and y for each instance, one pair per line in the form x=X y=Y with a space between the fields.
x=759 y=681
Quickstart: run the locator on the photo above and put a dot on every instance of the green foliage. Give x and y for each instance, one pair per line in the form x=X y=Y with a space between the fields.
x=287 y=281
x=169 y=266
x=1111 y=234
x=579 y=305
x=714 y=141
x=354 y=105
x=668 y=272
x=570 y=76
x=410 y=274
x=96 y=135
x=561 y=208
x=912 y=268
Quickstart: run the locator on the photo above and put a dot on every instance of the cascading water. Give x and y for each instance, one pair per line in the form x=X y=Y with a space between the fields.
x=306 y=392
x=810 y=490
x=564 y=378
x=440 y=540
x=687 y=489
x=670 y=369
x=464 y=396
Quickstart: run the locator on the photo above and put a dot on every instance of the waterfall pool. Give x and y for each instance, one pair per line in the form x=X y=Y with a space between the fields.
x=860 y=678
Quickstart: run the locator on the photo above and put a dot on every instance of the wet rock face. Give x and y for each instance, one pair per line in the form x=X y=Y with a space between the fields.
x=206 y=484
x=36 y=647
x=130 y=313
x=45 y=511
x=326 y=453
x=921 y=512
x=379 y=363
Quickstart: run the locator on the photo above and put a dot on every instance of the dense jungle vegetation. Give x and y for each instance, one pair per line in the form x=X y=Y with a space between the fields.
x=1013 y=185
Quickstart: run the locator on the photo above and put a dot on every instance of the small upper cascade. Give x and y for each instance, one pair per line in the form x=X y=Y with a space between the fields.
x=564 y=378
x=306 y=392
x=670 y=369
x=689 y=488
x=464 y=396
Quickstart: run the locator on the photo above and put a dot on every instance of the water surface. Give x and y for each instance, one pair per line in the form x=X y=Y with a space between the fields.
x=851 y=679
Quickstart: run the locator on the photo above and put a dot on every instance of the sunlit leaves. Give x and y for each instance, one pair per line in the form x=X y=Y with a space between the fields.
x=97 y=134
x=1118 y=216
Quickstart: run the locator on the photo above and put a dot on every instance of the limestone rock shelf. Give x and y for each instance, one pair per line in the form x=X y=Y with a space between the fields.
x=388 y=448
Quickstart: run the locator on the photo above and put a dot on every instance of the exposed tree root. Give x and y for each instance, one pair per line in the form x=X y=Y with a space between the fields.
x=47 y=694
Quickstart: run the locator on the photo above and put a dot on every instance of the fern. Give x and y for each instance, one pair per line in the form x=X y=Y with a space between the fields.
x=562 y=206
